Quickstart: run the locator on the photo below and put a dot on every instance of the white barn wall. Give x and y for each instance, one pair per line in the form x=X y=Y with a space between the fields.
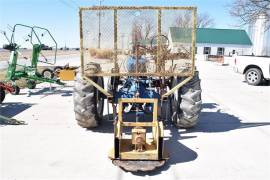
x=214 y=50
x=199 y=50
x=240 y=49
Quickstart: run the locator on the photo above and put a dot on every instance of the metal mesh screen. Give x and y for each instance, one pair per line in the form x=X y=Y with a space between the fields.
x=138 y=41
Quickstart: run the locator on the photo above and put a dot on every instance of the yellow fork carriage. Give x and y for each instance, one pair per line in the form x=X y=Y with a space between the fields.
x=138 y=147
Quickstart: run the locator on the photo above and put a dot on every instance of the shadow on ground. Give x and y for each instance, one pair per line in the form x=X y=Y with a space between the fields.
x=12 y=109
x=263 y=83
x=212 y=120
x=46 y=91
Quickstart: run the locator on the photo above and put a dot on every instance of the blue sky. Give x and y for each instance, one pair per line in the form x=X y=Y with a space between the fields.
x=61 y=16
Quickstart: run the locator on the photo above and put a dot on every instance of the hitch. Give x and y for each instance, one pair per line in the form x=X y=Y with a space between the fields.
x=138 y=153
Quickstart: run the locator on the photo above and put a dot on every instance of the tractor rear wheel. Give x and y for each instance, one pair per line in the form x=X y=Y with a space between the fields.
x=186 y=103
x=88 y=102
x=2 y=94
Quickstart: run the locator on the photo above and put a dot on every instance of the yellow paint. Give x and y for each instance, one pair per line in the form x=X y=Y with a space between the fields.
x=67 y=75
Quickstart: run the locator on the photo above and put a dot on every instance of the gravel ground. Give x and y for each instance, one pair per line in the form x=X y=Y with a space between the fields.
x=231 y=140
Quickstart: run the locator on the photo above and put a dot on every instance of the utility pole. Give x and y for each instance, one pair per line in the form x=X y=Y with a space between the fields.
x=122 y=38
x=99 y=23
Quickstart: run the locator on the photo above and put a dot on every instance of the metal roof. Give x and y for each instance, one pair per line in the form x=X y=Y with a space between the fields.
x=211 y=36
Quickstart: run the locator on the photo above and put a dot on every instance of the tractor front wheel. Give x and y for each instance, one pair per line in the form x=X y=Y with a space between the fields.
x=186 y=103
x=88 y=102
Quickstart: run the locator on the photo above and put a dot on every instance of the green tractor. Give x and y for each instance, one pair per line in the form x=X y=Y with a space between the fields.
x=30 y=72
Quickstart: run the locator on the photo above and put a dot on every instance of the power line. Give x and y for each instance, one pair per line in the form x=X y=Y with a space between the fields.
x=75 y=3
x=68 y=5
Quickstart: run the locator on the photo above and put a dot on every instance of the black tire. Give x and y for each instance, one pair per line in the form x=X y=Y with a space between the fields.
x=16 y=90
x=47 y=73
x=31 y=84
x=57 y=68
x=253 y=76
x=88 y=102
x=186 y=103
x=2 y=94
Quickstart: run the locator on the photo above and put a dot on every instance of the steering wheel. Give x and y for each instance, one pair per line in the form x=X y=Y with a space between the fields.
x=165 y=43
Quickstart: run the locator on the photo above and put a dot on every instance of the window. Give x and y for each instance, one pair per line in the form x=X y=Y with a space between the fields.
x=206 y=50
x=220 y=51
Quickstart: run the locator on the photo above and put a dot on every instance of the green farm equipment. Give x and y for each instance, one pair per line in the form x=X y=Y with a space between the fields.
x=147 y=54
x=29 y=72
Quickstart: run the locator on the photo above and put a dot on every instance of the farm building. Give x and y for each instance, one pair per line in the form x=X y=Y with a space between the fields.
x=210 y=41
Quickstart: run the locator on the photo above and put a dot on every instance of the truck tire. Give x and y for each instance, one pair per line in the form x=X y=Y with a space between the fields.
x=186 y=103
x=2 y=94
x=88 y=102
x=47 y=73
x=57 y=69
x=253 y=76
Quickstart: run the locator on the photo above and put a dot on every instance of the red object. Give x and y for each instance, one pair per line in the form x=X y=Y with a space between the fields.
x=7 y=87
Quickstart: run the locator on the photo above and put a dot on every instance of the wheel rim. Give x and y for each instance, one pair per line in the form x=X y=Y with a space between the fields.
x=174 y=106
x=47 y=74
x=99 y=100
x=252 y=77
x=99 y=103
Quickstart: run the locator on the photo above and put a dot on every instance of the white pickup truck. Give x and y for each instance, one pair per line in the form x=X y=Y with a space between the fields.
x=255 y=68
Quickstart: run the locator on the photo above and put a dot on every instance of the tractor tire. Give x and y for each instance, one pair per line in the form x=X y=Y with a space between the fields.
x=2 y=94
x=47 y=73
x=88 y=102
x=186 y=103
x=31 y=84
x=253 y=76
x=16 y=90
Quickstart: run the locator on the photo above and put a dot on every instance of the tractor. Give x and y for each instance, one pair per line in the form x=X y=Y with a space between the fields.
x=31 y=37
x=148 y=60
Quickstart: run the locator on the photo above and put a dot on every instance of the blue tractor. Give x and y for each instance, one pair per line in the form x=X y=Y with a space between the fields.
x=150 y=79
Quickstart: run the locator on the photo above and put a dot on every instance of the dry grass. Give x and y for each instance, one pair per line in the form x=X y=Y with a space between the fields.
x=101 y=53
x=21 y=83
x=4 y=54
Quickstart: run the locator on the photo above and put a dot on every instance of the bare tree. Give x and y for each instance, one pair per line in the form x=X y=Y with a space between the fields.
x=248 y=11
x=204 y=20
x=142 y=29
x=136 y=31
x=185 y=20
